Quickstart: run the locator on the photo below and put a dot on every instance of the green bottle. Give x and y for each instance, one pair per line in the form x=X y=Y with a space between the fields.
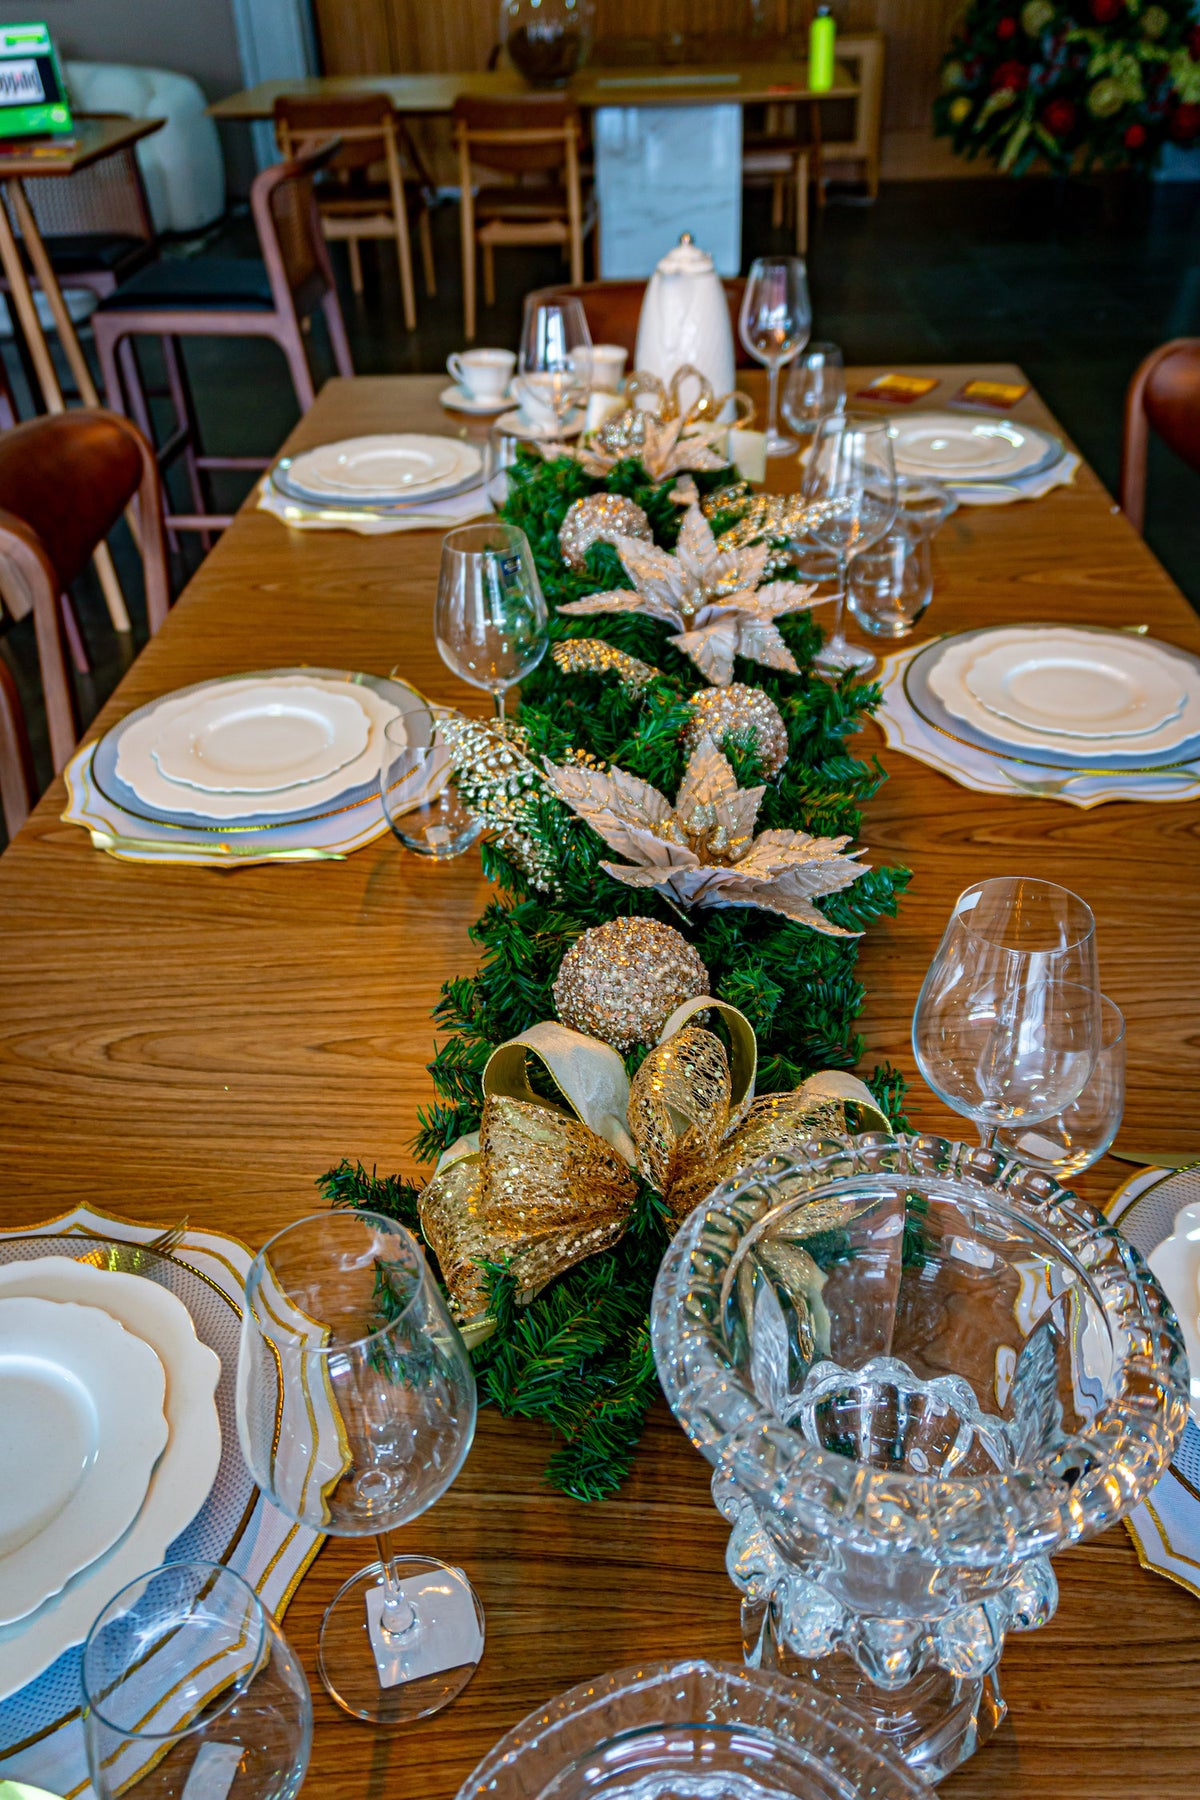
x=821 y=35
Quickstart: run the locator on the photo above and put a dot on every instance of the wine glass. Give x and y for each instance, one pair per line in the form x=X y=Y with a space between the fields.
x=1007 y=1024
x=774 y=324
x=1078 y=1136
x=891 y=584
x=421 y=801
x=490 y=619
x=815 y=388
x=853 y=470
x=345 y=1325
x=555 y=362
x=189 y=1683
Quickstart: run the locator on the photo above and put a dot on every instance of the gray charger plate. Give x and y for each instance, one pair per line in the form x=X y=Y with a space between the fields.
x=393 y=507
x=930 y=709
x=413 y=706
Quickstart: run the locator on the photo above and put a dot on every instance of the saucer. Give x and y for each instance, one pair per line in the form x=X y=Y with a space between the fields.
x=516 y=426
x=456 y=399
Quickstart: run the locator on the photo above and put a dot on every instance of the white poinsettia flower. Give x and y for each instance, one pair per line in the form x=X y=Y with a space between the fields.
x=702 y=850
x=664 y=447
x=710 y=594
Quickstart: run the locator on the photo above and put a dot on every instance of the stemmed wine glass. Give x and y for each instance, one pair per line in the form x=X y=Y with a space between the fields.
x=490 y=619
x=815 y=388
x=853 y=470
x=1007 y=1024
x=774 y=324
x=191 y=1687
x=345 y=1327
x=555 y=361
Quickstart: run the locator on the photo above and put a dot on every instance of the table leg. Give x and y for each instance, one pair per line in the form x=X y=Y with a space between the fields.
x=43 y=362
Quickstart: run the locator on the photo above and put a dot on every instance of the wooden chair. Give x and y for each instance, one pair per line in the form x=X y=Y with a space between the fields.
x=531 y=141
x=787 y=157
x=352 y=205
x=614 y=307
x=227 y=297
x=65 y=480
x=1164 y=394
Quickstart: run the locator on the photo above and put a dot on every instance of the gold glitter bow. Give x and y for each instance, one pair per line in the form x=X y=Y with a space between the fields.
x=545 y=1183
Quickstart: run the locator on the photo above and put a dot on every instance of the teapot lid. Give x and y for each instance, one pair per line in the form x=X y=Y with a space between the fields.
x=686 y=258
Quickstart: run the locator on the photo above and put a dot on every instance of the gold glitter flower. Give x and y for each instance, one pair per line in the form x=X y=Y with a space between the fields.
x=592 y=656
x=702 y=851
x=664 y=447
x=709 y=591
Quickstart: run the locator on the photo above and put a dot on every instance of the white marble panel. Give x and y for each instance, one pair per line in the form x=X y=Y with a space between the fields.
x=663 y=170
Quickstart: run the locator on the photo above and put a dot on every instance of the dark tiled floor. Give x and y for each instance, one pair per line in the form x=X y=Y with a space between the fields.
x=1074 y=284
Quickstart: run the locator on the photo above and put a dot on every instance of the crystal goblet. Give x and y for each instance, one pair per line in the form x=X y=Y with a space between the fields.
x=918 y=1369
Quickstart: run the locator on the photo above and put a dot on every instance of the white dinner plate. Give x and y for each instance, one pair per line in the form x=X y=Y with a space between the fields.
x=456 y=399
x=263 y=739
x=82 y=1426
x=954 y=448
x=137 y=764
x=179 y=1484
x=1076 y=683
x=382 y=467
x=1176 y=1263
x=945 y=675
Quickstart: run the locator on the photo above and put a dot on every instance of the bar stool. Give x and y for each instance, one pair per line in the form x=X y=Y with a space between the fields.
x=227 y=297
x=65 y=480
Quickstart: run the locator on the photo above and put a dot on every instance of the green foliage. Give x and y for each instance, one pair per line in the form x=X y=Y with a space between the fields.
x=1076 y=83
x=578 y=1356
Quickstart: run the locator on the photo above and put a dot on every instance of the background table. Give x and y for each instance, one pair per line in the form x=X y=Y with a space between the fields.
x=191 y=1041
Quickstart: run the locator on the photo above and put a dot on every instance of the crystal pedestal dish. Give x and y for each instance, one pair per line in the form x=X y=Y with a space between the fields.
x=688 y=1731
x=918 y=1369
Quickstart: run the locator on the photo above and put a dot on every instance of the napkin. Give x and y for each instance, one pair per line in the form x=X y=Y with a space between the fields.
x=438 y=515
x=132 y=839
x=987 y=773
x=1027 y=487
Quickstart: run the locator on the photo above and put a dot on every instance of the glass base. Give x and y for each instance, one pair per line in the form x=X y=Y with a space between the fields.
x=779 y=444
x=836 y=656
x=438 y=831
x=346 y=1660
x=935 y=1722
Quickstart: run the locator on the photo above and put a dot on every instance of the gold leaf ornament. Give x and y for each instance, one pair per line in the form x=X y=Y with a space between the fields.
x=545 y=1184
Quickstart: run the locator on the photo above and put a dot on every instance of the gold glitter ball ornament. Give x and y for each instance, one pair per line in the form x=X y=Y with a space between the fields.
x=599 y=516
x=622 y=981
x=744 y=711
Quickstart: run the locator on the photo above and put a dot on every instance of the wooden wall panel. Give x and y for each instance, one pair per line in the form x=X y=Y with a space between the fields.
x=358 y=36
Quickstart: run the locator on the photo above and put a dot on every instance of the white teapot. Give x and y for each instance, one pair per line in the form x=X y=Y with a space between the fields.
x=685 y=319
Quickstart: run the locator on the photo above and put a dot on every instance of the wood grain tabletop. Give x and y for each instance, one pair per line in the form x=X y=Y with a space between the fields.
x=178 y=1040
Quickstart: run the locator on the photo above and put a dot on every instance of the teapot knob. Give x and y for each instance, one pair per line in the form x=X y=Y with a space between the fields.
x=685 y=237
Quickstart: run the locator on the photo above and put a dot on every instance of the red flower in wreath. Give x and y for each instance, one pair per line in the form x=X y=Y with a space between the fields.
x=1059 y=117
x=1005 y=29
x=1135 y=137
x=1012 y=75
x=1185 y=123
x=1105 y=11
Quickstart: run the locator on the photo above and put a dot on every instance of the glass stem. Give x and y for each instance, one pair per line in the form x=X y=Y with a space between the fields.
x=498 y=697
x=988 y=1135
x=399 y=1616
x=839 y=608
x=772 y=401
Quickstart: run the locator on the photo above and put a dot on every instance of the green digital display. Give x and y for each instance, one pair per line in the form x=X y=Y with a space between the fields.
x=33 y=98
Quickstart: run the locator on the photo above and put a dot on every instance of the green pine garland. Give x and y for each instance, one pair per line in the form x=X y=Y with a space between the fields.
x=578 y=1356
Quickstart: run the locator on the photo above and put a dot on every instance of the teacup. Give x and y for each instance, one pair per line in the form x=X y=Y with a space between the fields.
x=540 y=399
x=483 y=375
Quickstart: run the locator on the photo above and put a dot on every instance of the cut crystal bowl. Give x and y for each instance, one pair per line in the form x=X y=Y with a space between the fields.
x=918 y=1368
x=689 y=1731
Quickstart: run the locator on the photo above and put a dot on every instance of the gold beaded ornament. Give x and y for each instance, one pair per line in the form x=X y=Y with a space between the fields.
x=621 y=982
x=599 y=516
x=742 y=710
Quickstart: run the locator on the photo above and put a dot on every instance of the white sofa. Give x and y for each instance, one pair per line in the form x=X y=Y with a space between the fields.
x=182 y=164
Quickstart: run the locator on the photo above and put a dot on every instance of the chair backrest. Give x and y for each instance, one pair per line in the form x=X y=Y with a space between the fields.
x=613 y=309
x=1165 y=395
x=289 y=231
x=518 y=137
x=364 y=123
x=107 y=197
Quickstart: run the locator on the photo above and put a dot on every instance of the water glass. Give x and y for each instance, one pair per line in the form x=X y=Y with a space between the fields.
x=555 y=357
x=1007 y=1024
x=816 y=387
x=1078 y=1136
x=490 y=619
x=356 y=1410
x=891 y=584
x=774 y=326
x=852 y=470
x=420 y=799
x=190 y=1686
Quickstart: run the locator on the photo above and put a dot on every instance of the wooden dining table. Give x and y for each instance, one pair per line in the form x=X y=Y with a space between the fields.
x=192 y=1041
